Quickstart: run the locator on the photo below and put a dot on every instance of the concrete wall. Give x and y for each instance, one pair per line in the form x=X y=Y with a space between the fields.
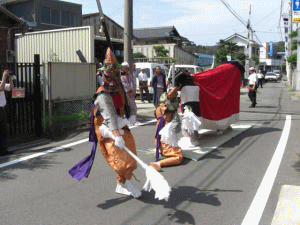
x=71 y=81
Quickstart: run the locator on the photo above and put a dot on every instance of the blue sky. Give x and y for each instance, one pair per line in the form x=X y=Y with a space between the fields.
x=204 y=22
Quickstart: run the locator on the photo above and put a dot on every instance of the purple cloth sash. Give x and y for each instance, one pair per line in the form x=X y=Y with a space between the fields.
x=161 y=124
x=83 y=168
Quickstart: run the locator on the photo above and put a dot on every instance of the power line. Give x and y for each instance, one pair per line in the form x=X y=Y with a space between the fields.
x=233 y=12
x=240 y=19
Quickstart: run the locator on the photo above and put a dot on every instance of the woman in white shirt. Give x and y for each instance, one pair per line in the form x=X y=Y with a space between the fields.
x=4 y=86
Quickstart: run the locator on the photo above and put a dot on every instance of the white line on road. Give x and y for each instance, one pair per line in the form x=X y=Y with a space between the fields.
x=58 y=148
x=262 y=195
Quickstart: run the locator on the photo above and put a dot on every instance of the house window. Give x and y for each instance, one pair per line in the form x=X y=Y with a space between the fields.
x=76 y=20
x=45 y=15
x=55 y=16
x=65 y=18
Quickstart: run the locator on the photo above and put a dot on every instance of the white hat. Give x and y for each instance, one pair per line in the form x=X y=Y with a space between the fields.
x=251 y=68
x=125 y=64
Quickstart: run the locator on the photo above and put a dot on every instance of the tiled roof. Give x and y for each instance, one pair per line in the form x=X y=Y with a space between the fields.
x=156 y=32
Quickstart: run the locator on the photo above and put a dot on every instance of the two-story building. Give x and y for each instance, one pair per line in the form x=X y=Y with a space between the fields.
x=271 y=56
x=9 y=25
x=147 y=38
x=243 y=43
x=46 y=14
x=116 y=33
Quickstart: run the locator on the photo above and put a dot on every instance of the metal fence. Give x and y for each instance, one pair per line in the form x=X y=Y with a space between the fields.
x=25 y=113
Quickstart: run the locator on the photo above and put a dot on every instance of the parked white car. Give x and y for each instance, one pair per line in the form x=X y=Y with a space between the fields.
x=190 y=68
x=150 y=71
x=270 y=76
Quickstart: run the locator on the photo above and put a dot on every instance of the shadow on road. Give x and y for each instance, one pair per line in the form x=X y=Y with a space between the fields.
x=113 y=202
x=42 y=162
x=249 y=133
x=177 y=197
x=296 y=165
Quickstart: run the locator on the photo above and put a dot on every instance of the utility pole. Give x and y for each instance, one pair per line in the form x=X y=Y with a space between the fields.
x=297 y=77
x=128 y=34
x=289 y=46
x=249 y=52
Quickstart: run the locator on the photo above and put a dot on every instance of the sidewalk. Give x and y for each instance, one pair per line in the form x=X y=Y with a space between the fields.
x=145 y=112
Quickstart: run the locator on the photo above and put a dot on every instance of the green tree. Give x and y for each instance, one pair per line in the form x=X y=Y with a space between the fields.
x=225 y=48
x=240 y=57
x=221 y=56
x=255 y=59
x=294 y=45
x=139 y=55
x=160 y=51
x=293 y=60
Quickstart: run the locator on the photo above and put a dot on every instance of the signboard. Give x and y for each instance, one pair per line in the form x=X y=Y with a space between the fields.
x=296 y=11
x=18 y=93
x=271 y=48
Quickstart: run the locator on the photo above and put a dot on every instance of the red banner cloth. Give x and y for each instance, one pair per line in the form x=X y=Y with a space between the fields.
x=219 y=91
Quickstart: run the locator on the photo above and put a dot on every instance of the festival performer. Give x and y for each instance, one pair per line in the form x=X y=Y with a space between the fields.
x=189 y=96
x=110 y=116
x=167 y=130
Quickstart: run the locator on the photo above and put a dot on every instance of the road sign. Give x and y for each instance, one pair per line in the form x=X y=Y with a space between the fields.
x=296 y=11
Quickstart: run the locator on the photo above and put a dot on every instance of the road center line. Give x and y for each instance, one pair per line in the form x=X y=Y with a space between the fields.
x=58 y=148
x=261 y=197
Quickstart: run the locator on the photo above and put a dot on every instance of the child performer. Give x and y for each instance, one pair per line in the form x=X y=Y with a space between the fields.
x=168 y=128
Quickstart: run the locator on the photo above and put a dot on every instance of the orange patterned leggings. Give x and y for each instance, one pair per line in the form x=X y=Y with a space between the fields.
x=117 y=158
x=173 y=155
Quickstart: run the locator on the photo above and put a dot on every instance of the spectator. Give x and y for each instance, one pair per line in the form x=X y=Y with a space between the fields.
x=127 y=82
x=99 y=78
x=159 y=85
x=260 y=77
x=252 y=87
x=143 y=85
x=4 y=86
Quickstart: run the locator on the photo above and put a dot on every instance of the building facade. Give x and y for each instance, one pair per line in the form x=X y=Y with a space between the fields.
x=114 y=29
x=147 y=38
x=243 y=43
x=271 y=56
x=46 y=14
x=9 y=25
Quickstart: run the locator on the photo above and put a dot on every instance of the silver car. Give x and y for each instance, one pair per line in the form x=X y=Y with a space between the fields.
x=270 y=76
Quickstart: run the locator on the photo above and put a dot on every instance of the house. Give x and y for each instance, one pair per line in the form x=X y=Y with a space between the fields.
x=147 y=38
x=243 y=43
x=9 y=25
x=114 y=29
x=271 y=56
x=116 y=33
x=46 y=14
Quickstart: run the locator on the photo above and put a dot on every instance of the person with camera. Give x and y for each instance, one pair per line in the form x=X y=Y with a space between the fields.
x=6 y=84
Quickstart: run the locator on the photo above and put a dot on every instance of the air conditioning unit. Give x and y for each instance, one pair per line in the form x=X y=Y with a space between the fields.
x=10 y=56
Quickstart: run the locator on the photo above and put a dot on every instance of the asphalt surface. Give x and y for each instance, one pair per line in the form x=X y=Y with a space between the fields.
x=220 y=188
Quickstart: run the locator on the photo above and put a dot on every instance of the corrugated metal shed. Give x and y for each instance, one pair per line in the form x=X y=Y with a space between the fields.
x=61 y=45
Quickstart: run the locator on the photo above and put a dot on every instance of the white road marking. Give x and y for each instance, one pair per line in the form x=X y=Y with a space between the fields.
x=259 y=202
x=59 y=148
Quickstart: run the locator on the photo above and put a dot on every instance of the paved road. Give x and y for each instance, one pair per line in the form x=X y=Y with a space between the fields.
x=220 y=188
